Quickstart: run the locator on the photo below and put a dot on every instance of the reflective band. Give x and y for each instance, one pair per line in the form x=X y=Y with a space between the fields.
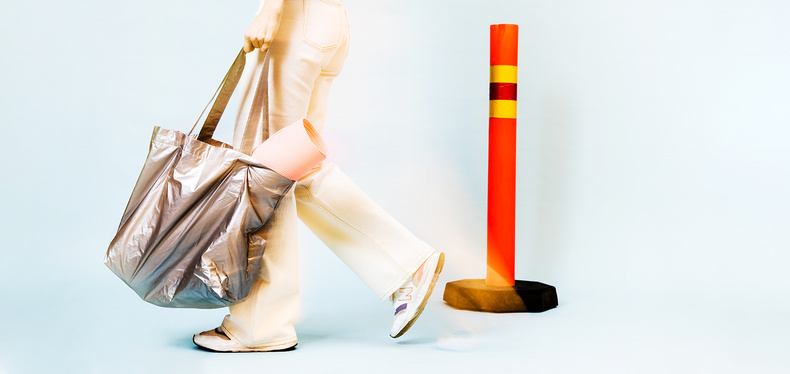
x=504 y=73
x=502 y=91
x=502 y=108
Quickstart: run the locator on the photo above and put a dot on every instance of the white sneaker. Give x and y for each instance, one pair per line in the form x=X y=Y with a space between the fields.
x=410 y=299
x=217 y=340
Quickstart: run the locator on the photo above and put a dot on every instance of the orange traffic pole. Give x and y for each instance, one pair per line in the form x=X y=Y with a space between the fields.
x=500 y=292
x=502 y=157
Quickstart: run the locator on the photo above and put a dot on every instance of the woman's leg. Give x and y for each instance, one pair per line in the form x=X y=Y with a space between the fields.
x=266 y=318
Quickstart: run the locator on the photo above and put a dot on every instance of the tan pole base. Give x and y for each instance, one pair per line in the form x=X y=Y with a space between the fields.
x=525 y=296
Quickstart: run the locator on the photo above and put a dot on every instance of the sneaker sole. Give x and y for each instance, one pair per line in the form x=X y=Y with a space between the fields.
x=207 y=349
x=242 y=349
x=245 y=350
x=439 y=267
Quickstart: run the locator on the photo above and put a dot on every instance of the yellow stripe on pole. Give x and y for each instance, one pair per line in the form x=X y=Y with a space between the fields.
x=502 y=108
x=504 y=74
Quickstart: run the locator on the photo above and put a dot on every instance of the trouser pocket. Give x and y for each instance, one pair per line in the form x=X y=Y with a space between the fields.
x=323 y=23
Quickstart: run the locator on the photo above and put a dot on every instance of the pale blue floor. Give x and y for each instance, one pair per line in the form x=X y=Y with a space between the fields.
x=91 y=323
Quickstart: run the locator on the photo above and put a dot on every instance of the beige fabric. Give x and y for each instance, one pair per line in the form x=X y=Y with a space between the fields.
x=306 y=55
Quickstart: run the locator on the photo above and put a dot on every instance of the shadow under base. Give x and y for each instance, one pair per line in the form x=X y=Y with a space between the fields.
x=525 y=296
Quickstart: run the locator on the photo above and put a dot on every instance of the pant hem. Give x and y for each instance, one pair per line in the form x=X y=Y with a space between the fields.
x=408 y=274
x=268 y=346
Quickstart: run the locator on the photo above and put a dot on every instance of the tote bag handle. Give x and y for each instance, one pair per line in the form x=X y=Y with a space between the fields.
x=258 y=114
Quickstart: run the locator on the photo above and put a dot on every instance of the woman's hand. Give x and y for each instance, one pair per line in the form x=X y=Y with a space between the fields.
x=263 y=28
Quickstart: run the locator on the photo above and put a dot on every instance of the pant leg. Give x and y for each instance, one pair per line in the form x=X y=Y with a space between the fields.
x=381 y=251
x=266 y=318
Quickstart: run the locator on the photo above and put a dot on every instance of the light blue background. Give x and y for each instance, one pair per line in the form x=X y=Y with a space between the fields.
x=652 y=181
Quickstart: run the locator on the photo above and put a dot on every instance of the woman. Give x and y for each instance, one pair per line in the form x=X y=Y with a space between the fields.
x=307 y=41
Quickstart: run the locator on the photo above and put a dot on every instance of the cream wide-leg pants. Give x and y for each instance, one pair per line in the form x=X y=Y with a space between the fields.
x=306 y=54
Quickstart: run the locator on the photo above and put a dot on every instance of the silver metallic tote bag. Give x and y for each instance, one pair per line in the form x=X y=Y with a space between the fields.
x=186 y=237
